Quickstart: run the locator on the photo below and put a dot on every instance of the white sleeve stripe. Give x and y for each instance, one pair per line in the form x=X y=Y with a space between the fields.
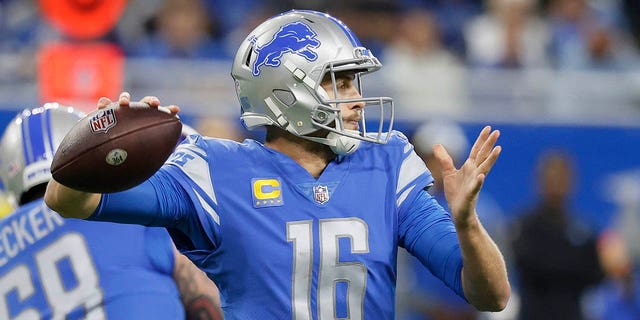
x=193 y=148
x=403 y=196
x=407 y=148
x=208 y=208
x=197 y=169
x=412 y=167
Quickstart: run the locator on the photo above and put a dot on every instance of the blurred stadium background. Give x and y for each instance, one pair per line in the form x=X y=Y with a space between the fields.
x=550 y=74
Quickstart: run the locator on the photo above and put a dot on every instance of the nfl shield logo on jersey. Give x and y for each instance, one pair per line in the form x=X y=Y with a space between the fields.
x=321 y=194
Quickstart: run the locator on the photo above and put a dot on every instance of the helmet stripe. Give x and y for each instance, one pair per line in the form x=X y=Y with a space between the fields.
x=26 y=140
x=352 y=37
x=48 y=138
x=34 y=143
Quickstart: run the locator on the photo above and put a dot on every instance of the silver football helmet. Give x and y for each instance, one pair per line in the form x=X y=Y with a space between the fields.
x=278 y=70
x=28 y=145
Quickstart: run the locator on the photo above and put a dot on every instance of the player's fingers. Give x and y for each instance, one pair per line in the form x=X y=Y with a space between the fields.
x=124 y=99
x=487 y=146
x=486 y=166
x=172 y=109
x=103 y=102
x=152 y=101
x=477 y=145
x=443 y=157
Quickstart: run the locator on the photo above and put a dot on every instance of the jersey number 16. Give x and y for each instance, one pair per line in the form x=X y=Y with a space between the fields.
x=331 y=269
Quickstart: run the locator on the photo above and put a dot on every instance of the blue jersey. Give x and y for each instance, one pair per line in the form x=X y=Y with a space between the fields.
x=279 y=243
x=55 y=268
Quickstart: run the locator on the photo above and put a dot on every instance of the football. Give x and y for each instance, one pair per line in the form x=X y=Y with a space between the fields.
x=115 y=148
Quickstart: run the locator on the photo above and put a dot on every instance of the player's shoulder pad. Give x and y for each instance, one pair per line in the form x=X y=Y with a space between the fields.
x=212 y=148
x=397 y=146
x=194 y=142
x=203 y=142
x=397 y=139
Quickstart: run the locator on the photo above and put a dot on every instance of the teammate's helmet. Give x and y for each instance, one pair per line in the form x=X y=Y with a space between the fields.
x=278 y=70
x=28 y=145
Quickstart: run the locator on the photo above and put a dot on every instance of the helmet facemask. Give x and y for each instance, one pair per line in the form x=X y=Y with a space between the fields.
x=330 y=108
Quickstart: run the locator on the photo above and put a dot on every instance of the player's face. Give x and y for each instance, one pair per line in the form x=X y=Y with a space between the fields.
x=346 y=88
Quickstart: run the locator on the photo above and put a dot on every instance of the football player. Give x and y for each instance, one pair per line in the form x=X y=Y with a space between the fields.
x=55 y=268
x=307 y=224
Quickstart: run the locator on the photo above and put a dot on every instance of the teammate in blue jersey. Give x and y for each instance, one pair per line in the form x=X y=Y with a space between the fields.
x=307 y=225
x=55 y=268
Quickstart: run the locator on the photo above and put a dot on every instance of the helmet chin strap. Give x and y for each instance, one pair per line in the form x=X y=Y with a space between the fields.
x=339 y=144
x=343 y=145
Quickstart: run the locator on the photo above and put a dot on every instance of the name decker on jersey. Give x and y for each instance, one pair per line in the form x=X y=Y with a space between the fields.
x=19 y=232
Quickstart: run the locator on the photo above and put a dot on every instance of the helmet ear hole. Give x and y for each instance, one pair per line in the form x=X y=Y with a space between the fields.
x=248 y=54
x=248 y=59
x=284 y=96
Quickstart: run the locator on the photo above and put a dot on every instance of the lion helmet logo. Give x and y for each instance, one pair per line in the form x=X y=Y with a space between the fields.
x=295 y=37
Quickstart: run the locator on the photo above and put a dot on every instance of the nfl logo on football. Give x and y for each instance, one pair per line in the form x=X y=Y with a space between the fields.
x=103 y=121
x=321 y=194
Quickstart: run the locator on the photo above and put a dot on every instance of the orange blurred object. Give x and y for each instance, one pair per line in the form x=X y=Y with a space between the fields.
x=79 y=74
x=83 y=19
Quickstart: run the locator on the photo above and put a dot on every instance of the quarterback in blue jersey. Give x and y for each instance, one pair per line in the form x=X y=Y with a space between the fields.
x=55 y=268
x=307 y=225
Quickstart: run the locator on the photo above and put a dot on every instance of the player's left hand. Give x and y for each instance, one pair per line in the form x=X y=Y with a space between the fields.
x=462 y=186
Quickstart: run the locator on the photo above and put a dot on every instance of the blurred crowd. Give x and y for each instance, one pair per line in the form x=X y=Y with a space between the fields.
x=436 y=41
x=563 y=34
